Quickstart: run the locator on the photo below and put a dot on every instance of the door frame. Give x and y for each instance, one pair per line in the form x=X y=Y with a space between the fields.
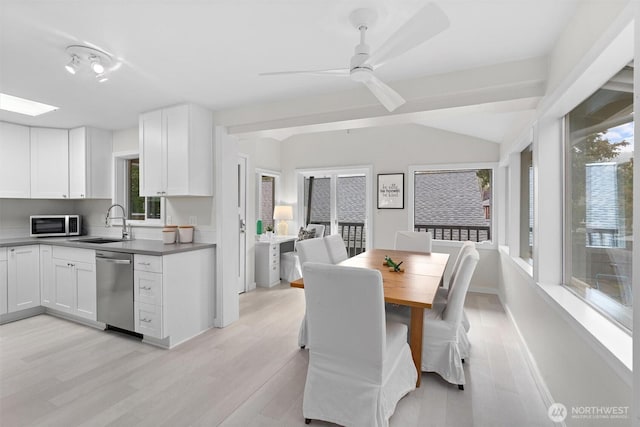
x=242 y=246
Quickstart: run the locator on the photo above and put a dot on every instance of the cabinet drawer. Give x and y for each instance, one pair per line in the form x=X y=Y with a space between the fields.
x=148 y=263
x=3 y=254
x=148 y=287
x=74 y=254
x=274 y=250
x=274 y=273
x=148 y=319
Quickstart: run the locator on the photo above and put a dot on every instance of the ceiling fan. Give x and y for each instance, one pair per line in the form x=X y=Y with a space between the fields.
x=425 y=24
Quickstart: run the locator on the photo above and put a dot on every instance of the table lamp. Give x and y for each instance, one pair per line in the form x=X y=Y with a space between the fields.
x=283 y=214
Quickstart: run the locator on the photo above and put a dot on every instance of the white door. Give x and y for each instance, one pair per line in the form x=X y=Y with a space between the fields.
x=23 y=276
x=49 y=163
x=78 y=163
x=242 y=223
x=85 y=278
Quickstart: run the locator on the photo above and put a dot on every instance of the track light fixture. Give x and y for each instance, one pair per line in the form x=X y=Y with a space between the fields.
x=91 y=60
x=72 y=66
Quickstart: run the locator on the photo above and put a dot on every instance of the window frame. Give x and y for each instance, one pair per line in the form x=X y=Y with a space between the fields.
x=121 y=186
x=493 y=166
x=276 y=188
x=529 y=193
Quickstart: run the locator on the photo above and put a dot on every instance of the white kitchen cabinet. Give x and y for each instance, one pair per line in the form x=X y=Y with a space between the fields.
x=90 y=158
x=49 y=163
x=3 y=280
x=74 y=282
x=23 y=278
x=176 y=152
x=15 y=161
x=147 y=296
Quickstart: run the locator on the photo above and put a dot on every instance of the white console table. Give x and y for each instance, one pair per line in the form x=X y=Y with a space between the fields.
x=268 y=259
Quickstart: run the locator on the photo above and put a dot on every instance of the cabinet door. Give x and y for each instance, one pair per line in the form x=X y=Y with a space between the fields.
x=46 y=276
x=152 y=158
x=49 y=163
x=85 y=275
x=176 y=134
x=3 y=280
x=78 y=163
x=23 y=278
x=15 y=161
x=63 y=286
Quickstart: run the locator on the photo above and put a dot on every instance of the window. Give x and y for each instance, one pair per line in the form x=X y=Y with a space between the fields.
x=599 y=201
x=526 y=205
x=140 y=210
x=340 y=200
x=267 y=185
x=453 y=204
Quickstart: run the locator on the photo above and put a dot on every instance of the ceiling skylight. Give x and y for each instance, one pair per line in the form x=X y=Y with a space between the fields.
x=23 y=106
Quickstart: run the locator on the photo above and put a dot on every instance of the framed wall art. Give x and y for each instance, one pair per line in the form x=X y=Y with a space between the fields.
x=391 y=191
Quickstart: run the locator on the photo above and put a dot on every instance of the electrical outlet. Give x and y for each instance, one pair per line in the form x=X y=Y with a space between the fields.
x=193 y=220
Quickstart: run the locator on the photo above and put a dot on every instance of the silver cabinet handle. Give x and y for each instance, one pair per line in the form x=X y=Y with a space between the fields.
x=145 y=320
x=146 y=288
x=144 y=263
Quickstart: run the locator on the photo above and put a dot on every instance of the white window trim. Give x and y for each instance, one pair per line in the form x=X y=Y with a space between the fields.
x=493 y=243
x=366 y=170
x=118 y=195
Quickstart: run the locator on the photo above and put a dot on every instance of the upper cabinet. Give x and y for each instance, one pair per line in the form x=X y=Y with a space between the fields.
x=42 y=163
x=49 y=163
x=90 y=170
x=14 y=161
x=176 y=152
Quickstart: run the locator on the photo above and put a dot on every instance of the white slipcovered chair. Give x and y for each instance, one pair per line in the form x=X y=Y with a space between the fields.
x=443 y=293
x=416 y=241
x=443 y=337
x=290 y=269
x=353 y=382
x=336 y=248
x=310 y=250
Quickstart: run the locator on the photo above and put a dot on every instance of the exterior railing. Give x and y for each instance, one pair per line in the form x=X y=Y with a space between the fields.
x=353 y=234
x=456 y=232
x=603 y=237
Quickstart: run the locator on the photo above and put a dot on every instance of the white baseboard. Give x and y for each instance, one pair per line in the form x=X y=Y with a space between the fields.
x=541 y=385
x=484 y=290
x=76 y=319
x=19 y=315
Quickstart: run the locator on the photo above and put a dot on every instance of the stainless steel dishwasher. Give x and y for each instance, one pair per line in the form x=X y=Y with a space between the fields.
x=114 y=273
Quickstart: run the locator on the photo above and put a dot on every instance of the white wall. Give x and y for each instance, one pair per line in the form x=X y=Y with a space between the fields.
x=389 y=149
x=14 y=213
x=576 y=367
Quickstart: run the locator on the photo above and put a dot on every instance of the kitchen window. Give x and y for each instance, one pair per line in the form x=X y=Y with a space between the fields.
x=140 y=210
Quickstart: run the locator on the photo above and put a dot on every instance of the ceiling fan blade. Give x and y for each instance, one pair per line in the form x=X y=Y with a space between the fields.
x=428 y=22
x=387 y=96
x=330 y=72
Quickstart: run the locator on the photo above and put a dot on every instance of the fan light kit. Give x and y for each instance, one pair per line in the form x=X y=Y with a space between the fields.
x=427 y=23
x=91 y=59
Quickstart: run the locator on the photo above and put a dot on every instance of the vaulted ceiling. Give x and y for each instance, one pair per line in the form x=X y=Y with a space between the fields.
x=210 y=53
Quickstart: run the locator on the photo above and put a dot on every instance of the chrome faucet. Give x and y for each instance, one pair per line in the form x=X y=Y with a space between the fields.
x=125 y=234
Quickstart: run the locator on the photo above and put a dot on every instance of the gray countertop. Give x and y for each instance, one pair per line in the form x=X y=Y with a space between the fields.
x=137 y=246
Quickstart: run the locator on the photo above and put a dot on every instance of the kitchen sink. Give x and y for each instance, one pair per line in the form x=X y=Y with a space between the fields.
x=99 y=240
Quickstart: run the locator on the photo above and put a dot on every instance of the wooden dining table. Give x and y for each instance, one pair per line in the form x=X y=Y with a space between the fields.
x=414 y=287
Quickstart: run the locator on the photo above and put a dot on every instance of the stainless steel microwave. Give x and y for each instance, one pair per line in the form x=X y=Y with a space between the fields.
x=55 y=225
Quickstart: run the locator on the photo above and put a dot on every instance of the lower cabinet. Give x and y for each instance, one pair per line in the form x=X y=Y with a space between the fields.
x=69 y=280
x=147 y=296
x=23 y=277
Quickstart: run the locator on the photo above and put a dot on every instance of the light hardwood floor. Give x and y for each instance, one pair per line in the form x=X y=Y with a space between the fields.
x=57 y=373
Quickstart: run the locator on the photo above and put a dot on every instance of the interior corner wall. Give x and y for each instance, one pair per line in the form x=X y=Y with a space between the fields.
x=636 y=234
